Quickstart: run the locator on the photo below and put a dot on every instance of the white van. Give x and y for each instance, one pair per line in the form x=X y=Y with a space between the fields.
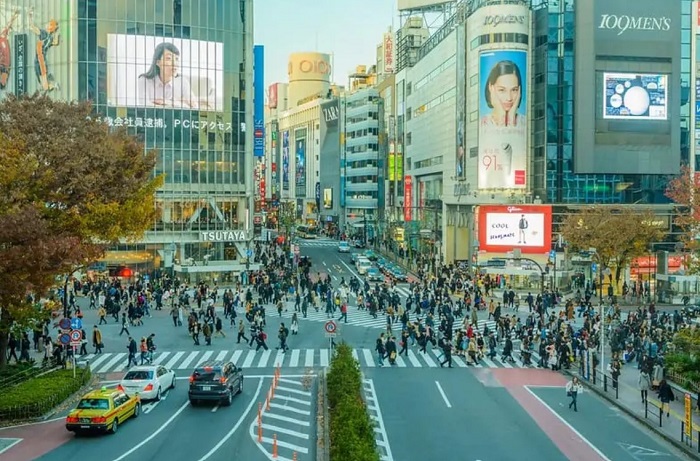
x=362 y=265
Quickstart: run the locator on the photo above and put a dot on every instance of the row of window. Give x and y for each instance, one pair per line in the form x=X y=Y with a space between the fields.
x=508 y=37
x=371 y=147
x=446 y=96
x=364 y=132
x=432 y=75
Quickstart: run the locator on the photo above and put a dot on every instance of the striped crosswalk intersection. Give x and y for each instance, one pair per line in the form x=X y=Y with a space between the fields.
x=294 y=358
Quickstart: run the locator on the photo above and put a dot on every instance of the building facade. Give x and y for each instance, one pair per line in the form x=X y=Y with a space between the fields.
x=174 y=73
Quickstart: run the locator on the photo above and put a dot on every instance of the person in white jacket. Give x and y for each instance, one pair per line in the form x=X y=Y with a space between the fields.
x=573 y=388
x=644 y=384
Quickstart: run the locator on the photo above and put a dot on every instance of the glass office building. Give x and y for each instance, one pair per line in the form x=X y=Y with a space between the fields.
x=554 y=179
x=173 y=72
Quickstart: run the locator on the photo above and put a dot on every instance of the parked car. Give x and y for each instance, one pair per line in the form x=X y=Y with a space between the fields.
x=343 y=247
x=354 y=257
x=374 y=275
x=399 y=274
x=381 y=262
x=215 y=380
x=371 y=255
x=102 y=410
x=148 y=382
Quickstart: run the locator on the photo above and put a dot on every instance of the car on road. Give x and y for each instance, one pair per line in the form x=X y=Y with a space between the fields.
x=102 y=410
x=380 y=262
x=363 y=264
x=399 y=274
x=371 y=255
x=359 y=243
x=343 y=247
x=354 y=257
x=215 y=380
x=148 y=382
x=374 y=275
x=388 y=268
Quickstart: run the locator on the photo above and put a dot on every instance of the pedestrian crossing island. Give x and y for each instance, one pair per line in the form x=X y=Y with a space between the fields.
x=294 y=358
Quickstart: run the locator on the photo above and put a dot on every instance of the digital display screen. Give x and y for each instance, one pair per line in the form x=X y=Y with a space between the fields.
x=146 y=71
x=635 y=96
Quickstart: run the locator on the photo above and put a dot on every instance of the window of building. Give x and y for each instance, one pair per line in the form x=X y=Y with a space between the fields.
x=408 y=139
x=474 y=116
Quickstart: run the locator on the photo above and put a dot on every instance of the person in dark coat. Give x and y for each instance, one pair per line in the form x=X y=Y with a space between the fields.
x=666 y=396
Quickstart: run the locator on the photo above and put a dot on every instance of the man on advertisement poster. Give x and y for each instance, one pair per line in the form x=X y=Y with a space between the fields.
x=48 y=38
x=522 y=228
x=285 y=160
x=161 y=85
x=503 y=124
x=5 y=51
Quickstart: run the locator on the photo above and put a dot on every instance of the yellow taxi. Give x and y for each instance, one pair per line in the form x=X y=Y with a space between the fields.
x=102 y=410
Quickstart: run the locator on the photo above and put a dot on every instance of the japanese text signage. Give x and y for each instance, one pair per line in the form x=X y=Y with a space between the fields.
x=407 y=198
x=388 y=53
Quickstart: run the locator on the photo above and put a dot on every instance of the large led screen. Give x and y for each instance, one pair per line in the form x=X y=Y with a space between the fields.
x=503 y=119
x=503 y=228
x=145 y=71
x=635 y=96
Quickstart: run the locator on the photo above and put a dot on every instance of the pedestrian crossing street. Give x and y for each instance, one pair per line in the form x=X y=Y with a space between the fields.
x=110 y=362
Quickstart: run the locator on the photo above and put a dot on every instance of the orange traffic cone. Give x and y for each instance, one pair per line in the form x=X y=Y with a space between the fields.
x=274 y=446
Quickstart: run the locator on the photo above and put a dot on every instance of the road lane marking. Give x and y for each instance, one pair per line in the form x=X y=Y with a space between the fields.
x=111 y=363
x=236 y=356
x=309 y=359
x=233 y=430
x=149 y=407
x=216 y=407
x=283 y=430
x=288 y=398
x=294 y=361
x=431 y=363
x=156 y=432
x=222 y=355
x=291 y=409
x=354 y=355
x=324 y=357
x=560 y=418
x=294 y=391
x=248 y=359
x=413 y=359
x=286 y=419
x=289 y=446
x=279 y=358
x=160 y=357
x=379 y=420
x=264 y=358
x=369 y=360
x=444 y=396
x=186 y=363
x=97 y=361
x=205 y=357
x=173 y=360
x=13 y=442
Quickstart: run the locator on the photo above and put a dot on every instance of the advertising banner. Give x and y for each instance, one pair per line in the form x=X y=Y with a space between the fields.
x=20 y=64
x=639 y=96
x=697 y=105
x=407 y=198
x=503 y=129
x=461 y=98
x=258 y=101
x=300 y=162
x=318 y=195
x=273 y=95
x=285 y=160
x=146 y=71
x=388 y=52
x=392 y=166
x=328 y=198
x=503 y=228
x=331 y=113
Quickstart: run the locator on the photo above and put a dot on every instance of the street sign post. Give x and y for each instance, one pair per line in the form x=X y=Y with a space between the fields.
x=76 y=323
x=331 y=329
x=688 y=418
x=64 y=339
x=76 y=337
x=64 y=324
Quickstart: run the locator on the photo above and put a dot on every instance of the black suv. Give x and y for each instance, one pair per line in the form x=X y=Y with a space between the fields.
x=215 y=380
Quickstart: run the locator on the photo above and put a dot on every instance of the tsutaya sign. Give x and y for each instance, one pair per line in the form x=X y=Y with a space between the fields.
x=224 y=236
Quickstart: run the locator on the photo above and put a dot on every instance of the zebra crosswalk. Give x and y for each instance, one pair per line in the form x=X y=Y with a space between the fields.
x=111 y=362
x=317 y=243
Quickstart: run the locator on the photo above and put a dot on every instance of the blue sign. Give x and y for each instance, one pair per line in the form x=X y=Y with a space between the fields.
x=594 y=267
x=553 y=254
x=258 y=101
x=76 y=324
x=249 y=253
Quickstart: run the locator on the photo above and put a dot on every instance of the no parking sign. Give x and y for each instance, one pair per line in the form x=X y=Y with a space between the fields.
x=331 y=328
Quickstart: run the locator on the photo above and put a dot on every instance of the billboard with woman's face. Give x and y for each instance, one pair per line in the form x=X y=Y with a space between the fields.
x=502 y=119
x=178 y=73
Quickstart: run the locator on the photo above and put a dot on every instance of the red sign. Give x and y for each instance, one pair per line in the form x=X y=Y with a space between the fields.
x=262 y=188
x=503 y=228
x=274 y=167
x=272 y=96
x=407 y=198
x=388 y=53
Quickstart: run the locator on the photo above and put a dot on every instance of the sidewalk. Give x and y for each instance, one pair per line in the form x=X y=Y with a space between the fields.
x=628 y=398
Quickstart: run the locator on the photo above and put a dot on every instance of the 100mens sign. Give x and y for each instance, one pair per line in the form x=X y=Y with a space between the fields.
x=623 y=23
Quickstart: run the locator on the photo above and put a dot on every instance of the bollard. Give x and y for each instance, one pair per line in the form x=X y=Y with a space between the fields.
x=274 y=446
x=272 y=391
x=267 y=402
x=294 y=456
x=259 y=433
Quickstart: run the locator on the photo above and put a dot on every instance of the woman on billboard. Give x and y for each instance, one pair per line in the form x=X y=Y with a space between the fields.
x=162 y=85
x=503 y=94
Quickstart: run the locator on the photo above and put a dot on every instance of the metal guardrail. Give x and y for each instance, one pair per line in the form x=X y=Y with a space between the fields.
x=24 y=375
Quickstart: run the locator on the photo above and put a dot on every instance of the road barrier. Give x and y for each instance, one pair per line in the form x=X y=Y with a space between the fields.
x=274 y=446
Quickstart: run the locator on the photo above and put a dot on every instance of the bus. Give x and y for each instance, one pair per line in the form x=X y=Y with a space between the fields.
x=306 y=232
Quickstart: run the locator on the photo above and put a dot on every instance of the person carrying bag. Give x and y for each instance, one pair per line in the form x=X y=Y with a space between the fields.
x=573 y=388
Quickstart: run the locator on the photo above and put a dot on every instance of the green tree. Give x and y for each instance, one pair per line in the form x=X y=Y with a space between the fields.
x=69 y=187
x=617 y=234
x=684 y=190
x=287 y=219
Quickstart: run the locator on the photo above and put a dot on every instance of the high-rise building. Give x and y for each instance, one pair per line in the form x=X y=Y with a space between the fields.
x=175 y=74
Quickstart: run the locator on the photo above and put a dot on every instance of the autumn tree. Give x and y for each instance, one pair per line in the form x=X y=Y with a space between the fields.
x=684 y=190
x=69 y=187
x=287 y=218
x=617 y=234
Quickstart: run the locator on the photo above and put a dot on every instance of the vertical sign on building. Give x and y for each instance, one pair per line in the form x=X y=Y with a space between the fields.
x=461 y=101
x=259 y=101
x=389 y=52
x=20 y=64
x=285 y=160
x=407 y=198
x=502 y=119
x=273 y=96
x=300 y=162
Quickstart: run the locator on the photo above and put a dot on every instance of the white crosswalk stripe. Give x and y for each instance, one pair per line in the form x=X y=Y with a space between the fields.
x=317 y=243
x=296 y=358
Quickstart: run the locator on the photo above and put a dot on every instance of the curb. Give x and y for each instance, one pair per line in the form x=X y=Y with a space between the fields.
x=676 y=443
